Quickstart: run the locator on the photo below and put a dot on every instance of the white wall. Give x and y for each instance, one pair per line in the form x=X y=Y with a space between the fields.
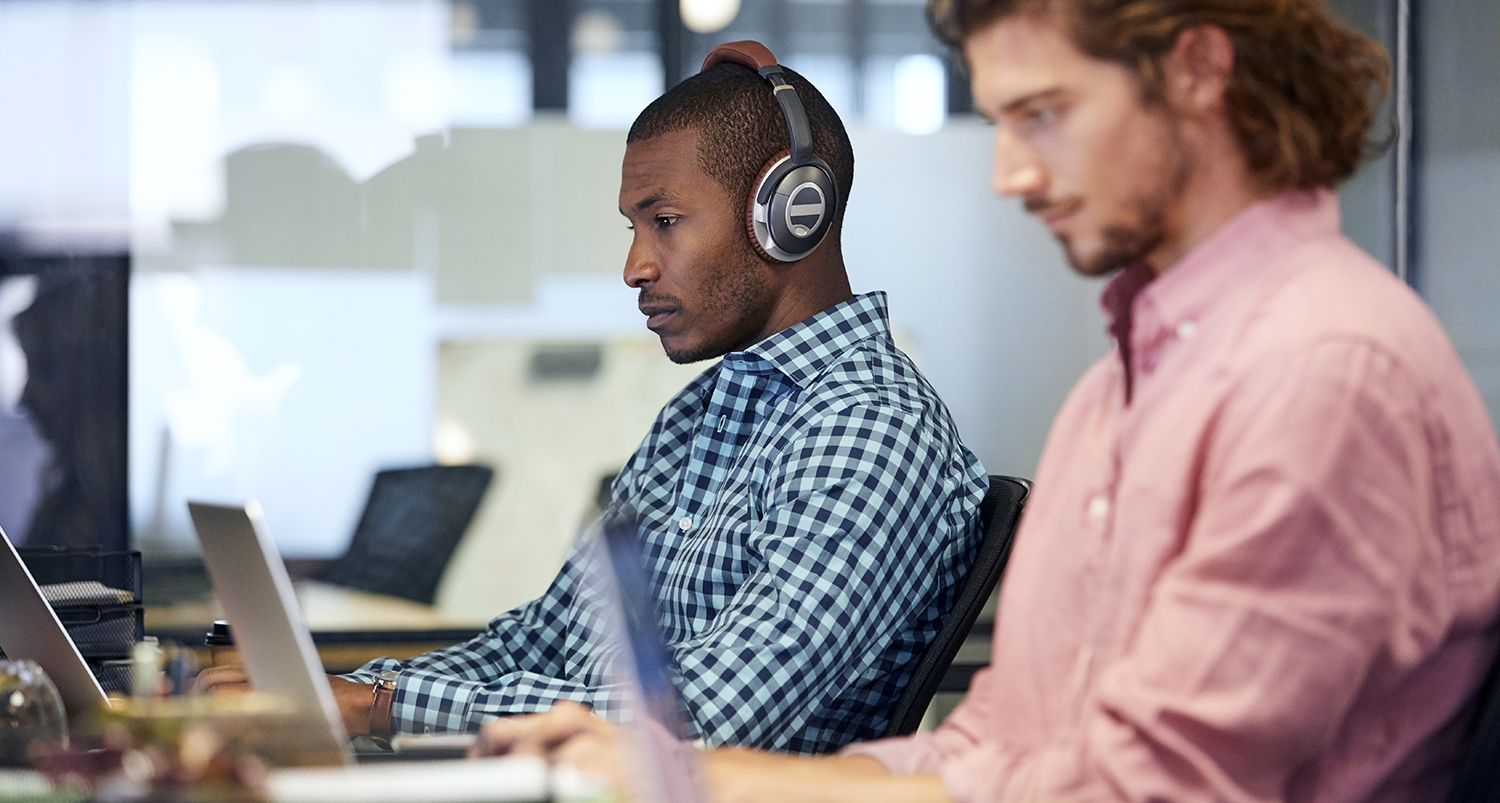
x=999 y=323
x=64 y=89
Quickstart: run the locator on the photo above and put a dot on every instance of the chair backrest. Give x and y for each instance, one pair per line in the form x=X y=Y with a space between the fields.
x=1478 y=778
x=998 y=514
x=411 y=524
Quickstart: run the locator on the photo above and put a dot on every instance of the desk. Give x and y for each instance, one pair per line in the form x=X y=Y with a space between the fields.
x=349 y=627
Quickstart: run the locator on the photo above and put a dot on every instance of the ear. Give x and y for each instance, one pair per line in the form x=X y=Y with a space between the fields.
x=1197 y=70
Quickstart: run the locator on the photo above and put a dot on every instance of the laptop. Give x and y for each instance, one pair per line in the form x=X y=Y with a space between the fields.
x=30 y=629
x=250 y=581
x=273 y=641
x=643 y=666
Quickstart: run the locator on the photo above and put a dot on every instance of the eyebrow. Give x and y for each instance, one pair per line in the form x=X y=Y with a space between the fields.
x=1031 y=98
x=645 y=203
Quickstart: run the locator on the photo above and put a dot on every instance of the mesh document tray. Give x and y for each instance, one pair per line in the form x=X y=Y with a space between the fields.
x=103 y=631
x=74 y=576
x=113 y=675
x=95 y=593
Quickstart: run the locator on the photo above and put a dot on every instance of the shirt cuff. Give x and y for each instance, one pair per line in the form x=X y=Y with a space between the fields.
x=970 y=772
x=986 y=772
x=366 y=674
x=901 y=755
x=426 y=703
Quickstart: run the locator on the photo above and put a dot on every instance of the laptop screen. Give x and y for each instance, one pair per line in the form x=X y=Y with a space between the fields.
x=644 y=668
x=650 y=662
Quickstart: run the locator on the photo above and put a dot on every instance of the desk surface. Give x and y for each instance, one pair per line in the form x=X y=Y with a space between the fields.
x=326 y=608
x=349 y=627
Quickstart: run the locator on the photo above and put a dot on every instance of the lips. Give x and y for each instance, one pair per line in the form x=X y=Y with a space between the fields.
x=1054 y=219
x=656 y=314
x=1053 y=215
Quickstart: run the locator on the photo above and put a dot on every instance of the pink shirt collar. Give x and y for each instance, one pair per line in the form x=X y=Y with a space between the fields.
x=1151 y=309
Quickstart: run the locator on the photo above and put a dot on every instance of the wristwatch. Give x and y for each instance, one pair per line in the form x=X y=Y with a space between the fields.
x=380 y=708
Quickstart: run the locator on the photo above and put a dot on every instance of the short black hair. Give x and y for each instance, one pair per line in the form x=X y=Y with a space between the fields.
x=740 y=126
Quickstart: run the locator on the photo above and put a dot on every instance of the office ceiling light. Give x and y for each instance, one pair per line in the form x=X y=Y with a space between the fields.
x=921 y=94
x=597 y=33
x=708 y=16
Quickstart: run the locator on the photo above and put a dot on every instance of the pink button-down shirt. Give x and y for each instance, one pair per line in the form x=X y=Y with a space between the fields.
x=1272 y=575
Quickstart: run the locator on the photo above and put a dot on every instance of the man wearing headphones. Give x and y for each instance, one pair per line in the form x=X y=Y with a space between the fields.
x=805 y=505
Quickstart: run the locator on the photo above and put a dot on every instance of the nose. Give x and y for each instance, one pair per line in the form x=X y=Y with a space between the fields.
x=1018 y=167
x=641 y=266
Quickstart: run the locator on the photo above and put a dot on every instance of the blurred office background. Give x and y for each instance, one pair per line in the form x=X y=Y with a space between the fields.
x=375 y=233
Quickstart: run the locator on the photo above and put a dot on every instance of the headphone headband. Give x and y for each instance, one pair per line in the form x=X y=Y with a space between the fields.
x=758 y=57
x=793 y=203
x=749 y=53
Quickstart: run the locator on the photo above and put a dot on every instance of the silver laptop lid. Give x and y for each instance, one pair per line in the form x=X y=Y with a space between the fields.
x=639 y=661
x=272 y=638
x=30 y=629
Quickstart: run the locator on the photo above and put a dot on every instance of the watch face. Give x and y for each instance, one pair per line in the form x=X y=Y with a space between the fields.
x=388 y=676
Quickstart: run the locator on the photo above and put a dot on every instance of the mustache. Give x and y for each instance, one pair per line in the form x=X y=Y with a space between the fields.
x=1037 y=204
x=657 y=302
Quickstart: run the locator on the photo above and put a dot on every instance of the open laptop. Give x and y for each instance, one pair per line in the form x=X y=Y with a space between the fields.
x=273 y=641
x=29 y=628
x=250 y=581
x=643 y=666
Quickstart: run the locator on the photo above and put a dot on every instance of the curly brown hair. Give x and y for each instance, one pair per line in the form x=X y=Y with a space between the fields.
x=1305 y=87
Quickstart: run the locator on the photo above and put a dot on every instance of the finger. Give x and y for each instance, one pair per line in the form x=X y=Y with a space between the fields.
x=218 y=679
x=505 y=736
x=536 y=734
x=591 y=753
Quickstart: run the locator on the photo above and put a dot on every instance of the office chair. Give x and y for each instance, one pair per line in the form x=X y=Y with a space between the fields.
x=998 y=514
x=410 y=526
x=1478 y=778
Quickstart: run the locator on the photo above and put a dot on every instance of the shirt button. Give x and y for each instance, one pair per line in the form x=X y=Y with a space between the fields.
x=1098 y=508
x=1085 y=659
x=685 y=524
x=1186 y=330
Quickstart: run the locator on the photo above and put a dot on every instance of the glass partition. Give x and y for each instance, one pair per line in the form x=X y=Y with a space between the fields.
x=356 y=225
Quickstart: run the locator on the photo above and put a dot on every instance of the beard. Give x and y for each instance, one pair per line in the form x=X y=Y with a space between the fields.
x=1123 y=245
x=1143 y=228
x=732 y=311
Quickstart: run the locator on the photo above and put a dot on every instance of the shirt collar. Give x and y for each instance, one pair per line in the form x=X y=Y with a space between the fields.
x=1240 y=254
x=1236 y=254
x=804 y=350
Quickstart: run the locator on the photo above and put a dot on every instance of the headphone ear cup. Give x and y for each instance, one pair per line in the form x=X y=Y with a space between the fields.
x=800 y=222
x=762 y=246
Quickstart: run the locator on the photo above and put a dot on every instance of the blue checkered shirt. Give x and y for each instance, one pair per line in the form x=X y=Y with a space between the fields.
x=806 y=511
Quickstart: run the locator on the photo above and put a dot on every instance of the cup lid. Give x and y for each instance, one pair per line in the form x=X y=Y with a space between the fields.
x=219 y=636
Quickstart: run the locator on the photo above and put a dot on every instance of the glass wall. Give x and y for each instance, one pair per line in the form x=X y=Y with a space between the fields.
x=359 y=228
x=1457 y=244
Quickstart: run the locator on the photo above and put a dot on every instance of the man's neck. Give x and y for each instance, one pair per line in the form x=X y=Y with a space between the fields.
x=820 y=286
x=1219 y=190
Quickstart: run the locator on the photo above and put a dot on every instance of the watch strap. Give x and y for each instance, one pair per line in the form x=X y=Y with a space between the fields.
x=380 y=707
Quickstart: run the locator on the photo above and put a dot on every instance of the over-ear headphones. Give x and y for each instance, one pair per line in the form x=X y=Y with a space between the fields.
x=795 y=197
